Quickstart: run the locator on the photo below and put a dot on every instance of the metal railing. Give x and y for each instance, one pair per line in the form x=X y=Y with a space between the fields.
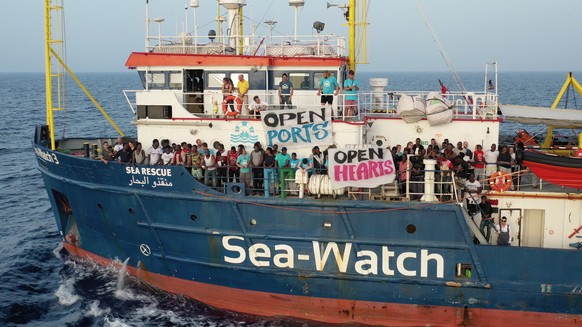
x=319 y=45
x=368 y=104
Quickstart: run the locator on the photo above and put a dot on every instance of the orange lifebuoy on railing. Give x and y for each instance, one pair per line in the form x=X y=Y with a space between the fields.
x=237 y=106
x=500 y=181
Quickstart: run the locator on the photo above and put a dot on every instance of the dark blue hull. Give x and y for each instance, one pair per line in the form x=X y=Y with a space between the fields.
x=184 y=237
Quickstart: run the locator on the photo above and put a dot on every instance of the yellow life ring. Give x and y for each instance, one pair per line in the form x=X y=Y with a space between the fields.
x=237 y=107
x=500 y=181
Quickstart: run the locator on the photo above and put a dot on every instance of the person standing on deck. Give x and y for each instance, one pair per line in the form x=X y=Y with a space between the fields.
x=243 y=90
x=285 y=92
x=283 y=164
x=351 y=86
x=503 y=232
x=490 y=157
x=155 y=153
x=479 y=163
x=486 y=219
x=328 y=87
x=472 y=191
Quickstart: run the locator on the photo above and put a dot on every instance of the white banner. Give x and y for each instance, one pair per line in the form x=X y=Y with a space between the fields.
x=360 y=167
x=295 y=128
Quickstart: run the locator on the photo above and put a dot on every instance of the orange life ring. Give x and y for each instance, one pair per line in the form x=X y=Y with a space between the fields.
x=500 y=181
x=237 y=107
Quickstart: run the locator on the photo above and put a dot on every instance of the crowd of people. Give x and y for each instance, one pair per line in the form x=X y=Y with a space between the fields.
x=236 y=97
x=270 y=171
x=267 y=170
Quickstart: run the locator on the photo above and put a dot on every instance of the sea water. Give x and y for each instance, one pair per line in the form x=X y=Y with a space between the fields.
x=41 y=286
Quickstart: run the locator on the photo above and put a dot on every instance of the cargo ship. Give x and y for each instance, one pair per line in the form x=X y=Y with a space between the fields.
x=345 y=239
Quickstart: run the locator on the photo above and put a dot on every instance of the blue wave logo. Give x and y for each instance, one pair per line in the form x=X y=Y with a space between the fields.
x=244 y=133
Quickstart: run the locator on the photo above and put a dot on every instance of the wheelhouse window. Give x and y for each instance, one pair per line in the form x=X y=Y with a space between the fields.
x=175 y=80
x=161 y=80
x=257 y=80
x=156 y=80
x=301 y=81
x=214 y=80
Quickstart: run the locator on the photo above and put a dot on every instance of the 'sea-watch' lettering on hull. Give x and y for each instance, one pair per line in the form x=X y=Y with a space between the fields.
x=324 y=256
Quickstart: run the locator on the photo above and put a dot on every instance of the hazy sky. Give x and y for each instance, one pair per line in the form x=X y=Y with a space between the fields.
x=520 y=35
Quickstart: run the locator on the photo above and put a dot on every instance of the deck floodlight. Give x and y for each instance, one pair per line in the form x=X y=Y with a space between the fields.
x=318 y=26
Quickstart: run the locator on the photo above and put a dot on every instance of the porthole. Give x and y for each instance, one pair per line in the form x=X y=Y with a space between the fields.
x=411 y=229
x=193 y=217
x=99 y=205
x=131 y=211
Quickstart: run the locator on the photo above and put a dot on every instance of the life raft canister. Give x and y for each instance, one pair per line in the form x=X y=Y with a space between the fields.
x=237 y=107
x=500 y=181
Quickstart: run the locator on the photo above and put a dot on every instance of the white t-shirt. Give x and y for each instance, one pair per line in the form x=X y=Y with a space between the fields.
x=155 y=154
x=257 y=106
x=167 y=157
x=490 y=157
x=471 y=191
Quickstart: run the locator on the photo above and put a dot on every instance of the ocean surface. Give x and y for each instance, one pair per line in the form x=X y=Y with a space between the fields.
x=41 y=286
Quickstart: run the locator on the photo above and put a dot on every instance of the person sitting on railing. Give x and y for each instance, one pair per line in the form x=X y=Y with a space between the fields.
x=257 y=106
x=472 y=194
x=461 y=170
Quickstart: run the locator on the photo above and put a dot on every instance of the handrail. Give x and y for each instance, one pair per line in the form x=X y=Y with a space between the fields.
x=286 y=45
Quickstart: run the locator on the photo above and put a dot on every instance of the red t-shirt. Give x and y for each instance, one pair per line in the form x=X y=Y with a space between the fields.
x=479 y=156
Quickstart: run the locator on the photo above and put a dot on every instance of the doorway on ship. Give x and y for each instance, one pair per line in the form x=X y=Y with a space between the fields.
x=194 y=91
x=532 y=228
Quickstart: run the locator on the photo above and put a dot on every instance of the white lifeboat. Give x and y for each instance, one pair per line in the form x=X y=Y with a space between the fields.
x=438 y=111
x=411 y=108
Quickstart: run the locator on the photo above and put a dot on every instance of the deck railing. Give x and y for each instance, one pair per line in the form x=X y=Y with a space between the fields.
x=476 y=106
x=319 y=45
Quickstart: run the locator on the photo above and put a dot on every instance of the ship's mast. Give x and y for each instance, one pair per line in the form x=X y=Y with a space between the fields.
x=356 y=15
x=55 y=69
x=49 y=7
